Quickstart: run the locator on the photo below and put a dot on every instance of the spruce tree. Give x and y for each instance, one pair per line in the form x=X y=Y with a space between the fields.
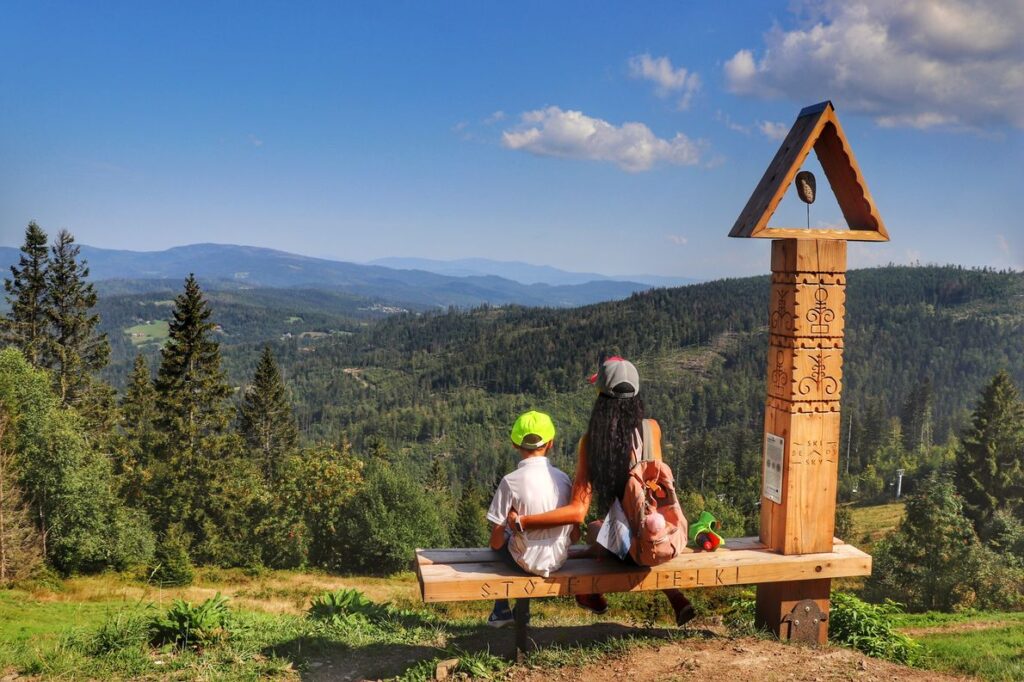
x=138 y=424
x=74 y=349
x=266 y=418
x=928 y=561
x=27 y=322
x=470 y=528
x=194 y=468
x=990 y=460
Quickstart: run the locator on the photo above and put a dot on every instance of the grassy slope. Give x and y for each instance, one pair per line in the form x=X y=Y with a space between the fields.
x=871 y=524
x=986 y=644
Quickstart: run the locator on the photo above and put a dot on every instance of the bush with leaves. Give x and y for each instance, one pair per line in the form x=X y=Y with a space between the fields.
x=381 y=527
x=70 y=484
x=185 y=625
x=869 y=628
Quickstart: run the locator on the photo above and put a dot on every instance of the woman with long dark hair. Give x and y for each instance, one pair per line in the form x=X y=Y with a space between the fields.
x=603 y=463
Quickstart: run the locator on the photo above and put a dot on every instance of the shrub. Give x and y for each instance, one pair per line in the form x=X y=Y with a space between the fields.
x=868 y=628
x=185 y=625
x=172 y=567
x=344 y=606
x=844 y=523
x=381 y=527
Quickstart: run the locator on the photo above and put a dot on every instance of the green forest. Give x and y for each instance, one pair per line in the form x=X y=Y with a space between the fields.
x=234 y=442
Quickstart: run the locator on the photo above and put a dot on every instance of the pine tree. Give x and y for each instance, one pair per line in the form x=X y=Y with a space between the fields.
x=915 y=417
x=930 y=561
x=990 y=460
x=27 y=322
x=74 y=350
x=470 y=528
x=189 y=475
x=138 y=424
x=266 y=418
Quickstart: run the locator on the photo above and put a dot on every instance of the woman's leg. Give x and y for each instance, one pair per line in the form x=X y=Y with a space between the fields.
x=681 y=605
x=595 y=603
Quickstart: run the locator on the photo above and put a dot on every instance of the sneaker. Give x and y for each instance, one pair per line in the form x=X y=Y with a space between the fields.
x=595 y=603
x=500 y=616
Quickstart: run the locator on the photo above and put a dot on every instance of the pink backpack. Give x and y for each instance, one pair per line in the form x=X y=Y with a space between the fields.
x=651 y=506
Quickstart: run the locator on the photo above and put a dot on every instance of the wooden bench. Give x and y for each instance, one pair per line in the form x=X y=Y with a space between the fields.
x=476 y=574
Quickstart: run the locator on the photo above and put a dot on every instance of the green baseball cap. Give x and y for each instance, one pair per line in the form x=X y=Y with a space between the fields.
x=532 y=423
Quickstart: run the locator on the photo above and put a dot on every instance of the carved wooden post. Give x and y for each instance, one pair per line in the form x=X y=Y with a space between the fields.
x=805 y=363
x=801 y=457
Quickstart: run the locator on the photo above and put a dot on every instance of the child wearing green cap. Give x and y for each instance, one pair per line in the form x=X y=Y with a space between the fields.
x=534 y=487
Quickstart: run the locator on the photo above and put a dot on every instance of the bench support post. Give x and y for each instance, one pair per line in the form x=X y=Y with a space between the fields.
x=521 y=615
x=802 y=419
x=776 y=601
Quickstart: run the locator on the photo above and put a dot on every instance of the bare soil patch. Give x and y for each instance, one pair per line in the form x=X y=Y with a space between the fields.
x=733 y=659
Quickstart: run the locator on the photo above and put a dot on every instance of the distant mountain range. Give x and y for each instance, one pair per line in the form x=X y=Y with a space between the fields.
x=523 y=273
x=228 y=266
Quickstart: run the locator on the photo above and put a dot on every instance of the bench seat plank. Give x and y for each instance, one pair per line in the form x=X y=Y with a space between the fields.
x=460 y=575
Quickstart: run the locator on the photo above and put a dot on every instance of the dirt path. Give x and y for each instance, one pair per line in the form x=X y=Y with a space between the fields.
x=705 y=656
x=733 y=659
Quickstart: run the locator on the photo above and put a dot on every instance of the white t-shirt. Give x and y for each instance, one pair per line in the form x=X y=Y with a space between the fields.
x=534 y=487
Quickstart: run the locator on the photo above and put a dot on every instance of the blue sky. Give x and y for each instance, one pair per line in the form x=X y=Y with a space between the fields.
x=541 y=132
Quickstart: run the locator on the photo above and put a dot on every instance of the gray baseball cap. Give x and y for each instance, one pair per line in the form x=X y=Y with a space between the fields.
x=617 y=378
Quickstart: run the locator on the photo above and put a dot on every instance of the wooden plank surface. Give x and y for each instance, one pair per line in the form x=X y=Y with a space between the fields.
x=745 y=561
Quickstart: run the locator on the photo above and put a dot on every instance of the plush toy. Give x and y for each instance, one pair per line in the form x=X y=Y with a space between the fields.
x=654 y=523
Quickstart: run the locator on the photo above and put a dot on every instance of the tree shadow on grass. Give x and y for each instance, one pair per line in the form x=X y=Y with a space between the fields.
x=321 y=659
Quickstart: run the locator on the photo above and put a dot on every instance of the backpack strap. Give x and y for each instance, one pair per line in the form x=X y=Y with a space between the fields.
x=648 y=442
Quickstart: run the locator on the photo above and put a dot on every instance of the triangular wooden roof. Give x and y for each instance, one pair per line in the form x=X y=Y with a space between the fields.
x=818 y=127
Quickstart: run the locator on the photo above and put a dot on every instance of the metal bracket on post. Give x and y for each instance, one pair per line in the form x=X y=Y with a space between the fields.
x=804 y=621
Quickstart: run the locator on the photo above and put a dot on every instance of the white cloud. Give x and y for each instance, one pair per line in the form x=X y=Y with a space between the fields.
x=773 y=130
x=255 y=141
x=495 y=117
x=726 y=120
x=574 y=135
x=677 y=239
x=951 y=64
x=671 y=81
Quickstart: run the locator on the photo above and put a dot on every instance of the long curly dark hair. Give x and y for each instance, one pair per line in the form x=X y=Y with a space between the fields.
x=613 y=421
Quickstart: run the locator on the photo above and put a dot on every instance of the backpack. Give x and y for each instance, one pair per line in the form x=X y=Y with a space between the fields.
x=650 y=489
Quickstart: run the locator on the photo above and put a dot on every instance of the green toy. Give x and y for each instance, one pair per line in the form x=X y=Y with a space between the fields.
x=704 y=533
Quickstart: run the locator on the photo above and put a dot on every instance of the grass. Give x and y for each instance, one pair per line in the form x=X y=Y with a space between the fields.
x=992 y=653
x=148 y=332
x=97 y=627
x=987 y=644
x=871 y=524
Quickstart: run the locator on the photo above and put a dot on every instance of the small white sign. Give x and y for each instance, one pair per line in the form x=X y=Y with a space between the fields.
x=774 y=447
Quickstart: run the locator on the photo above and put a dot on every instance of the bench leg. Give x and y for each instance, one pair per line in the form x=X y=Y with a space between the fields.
x=521 y=614
x=775 y=604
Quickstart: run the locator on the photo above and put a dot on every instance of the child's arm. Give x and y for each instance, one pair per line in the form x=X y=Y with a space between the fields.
x=574 y=512
x=497 y=536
